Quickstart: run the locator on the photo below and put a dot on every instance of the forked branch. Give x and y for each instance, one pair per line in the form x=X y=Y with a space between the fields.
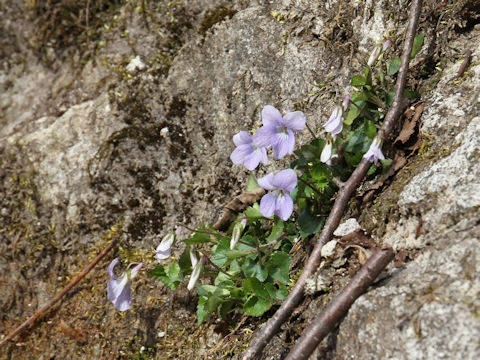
x=344 y=195
x=338 y=307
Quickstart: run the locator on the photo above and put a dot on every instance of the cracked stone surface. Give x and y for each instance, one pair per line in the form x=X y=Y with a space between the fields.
x=132 y=124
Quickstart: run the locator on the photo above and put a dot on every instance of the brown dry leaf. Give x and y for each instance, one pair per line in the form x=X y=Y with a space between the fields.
x=410 y=124
x=238 y=204
x=358 y=237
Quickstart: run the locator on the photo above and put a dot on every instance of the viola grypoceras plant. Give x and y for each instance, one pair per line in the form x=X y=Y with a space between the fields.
x=249 y=266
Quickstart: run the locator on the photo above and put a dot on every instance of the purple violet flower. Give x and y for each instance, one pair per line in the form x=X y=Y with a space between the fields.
x=374 y=153
x=246 y=152
x=334 y=125
x=277 y=131
x=164 y=249
x=197 y=269
x=326 y=154
x=278 y=201
x=118 y=289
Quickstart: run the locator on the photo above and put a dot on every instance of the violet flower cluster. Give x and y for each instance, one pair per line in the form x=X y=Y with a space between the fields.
x=277 y=132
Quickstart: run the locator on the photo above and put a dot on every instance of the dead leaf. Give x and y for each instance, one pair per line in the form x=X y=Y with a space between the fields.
x=410 y=125
x=238 y=204
x=358 y=237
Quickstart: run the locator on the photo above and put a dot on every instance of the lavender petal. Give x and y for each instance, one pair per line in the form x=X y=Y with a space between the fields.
x=266 y=182
x=295 y=120
x=284 y=207
x=271 y=116
x=267 y=205
x=243 y=137
x=285 y=180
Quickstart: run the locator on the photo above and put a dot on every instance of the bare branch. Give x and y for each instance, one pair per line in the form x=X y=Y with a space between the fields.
x=338 y=307
x=43 y=311
x=344 y=194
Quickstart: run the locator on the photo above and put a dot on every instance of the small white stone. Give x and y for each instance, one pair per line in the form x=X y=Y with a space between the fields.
x=161 y=334
x=135 y=63
x=164 y=131
x=347 y=227
x=329 y=248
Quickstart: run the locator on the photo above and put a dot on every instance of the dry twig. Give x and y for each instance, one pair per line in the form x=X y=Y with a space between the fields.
x=344 y=194
x=338 y=307
x=43 y=311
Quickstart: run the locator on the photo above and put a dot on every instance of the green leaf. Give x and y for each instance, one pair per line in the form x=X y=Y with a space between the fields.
x=417 y=45
x=279 y=267
x=308 y=223
x=248 y=239
x=213 y=302
x=253 y=212
x=219 y=256
x=358 y=142
x=389 y=98
x=393 y=66
x=198 y=238
x=253 y=285
x=277 y=230
x=370 y=129
x=202 y=311
x=225 y=307
x=372 y=169
x=353 y=113
x=311 y=151
x=321 y=174
x=256 y=306
x=279 y=294
x=252 y=269
x=358 y=80
x=235 y=254
x=354 y=159
x=252 y=182
x=171 y=276
x=359 y=96
x=386 y=164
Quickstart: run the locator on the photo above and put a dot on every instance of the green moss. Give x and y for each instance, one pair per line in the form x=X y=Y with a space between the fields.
x=215 y=16
x=61 y=24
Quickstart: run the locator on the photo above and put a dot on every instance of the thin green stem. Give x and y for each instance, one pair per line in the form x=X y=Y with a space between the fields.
x=310 y=185
x=219 y=268
x=310 y=130
x=218 y=235
x=362 y=111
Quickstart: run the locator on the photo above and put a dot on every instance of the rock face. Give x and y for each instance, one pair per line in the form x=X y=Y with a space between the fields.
x=123 y=115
